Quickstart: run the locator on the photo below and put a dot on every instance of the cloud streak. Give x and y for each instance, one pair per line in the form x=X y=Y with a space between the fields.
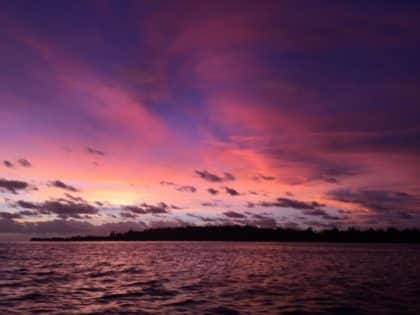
x=213 y=178
x=93 y=151
x=13 y=186
x=231 y=191
x=288 y=203
x=61 y=185
x=378 y=201
x=24 y=163
x=191 y=189
x=144 y=208
x=63 y=209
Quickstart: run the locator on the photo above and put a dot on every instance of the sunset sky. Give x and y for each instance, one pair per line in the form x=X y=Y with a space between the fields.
x=118 y=115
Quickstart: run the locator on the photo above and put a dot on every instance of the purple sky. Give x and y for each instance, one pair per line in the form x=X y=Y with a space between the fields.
x=119 y=115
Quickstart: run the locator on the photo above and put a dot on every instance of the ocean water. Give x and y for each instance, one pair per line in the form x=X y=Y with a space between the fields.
x=208 y=278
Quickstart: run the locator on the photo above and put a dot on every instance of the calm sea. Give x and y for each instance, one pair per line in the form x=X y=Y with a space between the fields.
x=208 y=278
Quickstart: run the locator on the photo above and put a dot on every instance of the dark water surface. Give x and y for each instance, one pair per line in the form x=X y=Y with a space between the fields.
x=208 y=278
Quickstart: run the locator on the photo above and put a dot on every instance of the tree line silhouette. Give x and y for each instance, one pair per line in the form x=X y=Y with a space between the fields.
x=254 y=234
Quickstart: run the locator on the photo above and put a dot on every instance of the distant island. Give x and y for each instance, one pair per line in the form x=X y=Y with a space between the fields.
x=253 y=234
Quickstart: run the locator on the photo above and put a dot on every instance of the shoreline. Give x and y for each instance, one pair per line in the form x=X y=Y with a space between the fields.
x=250 y=234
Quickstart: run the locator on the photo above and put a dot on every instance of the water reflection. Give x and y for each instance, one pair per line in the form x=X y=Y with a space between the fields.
x=208 y=278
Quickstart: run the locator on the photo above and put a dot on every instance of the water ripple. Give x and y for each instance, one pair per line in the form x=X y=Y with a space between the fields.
x=208 y=278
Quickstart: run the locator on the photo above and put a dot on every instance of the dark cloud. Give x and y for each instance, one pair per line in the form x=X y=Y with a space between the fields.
x=145 y=208
x=233 y=214
x=320 y=213
x=297 y=204
x=255 y=220
x=21 y=162
x=209 y=176
x=231 y=191
x=17 y=215
x=333 y=173
x=405 y=141
x=318 y=168
x=10 y=215
x=187 y=189
x=135 y=209
x=378 y=201
x=290 y=203
x=202 y=218
x=259 y=216
x=24 y=163
x=13 y=186
x=128 y=215
x=385 y=207
x=79 y=199
x=263 y=177
x=93 y=151
x=8 y=164
x=184 y=188
x=213 y=191
x=28 y=213
x=60 y=184
x=327 y=179
x=68 y=209
x=215 y=178
x=26 y=204
x=61 y=208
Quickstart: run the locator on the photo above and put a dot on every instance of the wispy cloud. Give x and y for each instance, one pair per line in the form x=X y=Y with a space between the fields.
x=289 y=203
x=24 y=163
x=187 y=189
x=233 y=214
x=263 y=177
x=60 y=184
x=378 y=201
x=61 y=208
x=144 y=208
x=210 y=177
x=94 y=151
